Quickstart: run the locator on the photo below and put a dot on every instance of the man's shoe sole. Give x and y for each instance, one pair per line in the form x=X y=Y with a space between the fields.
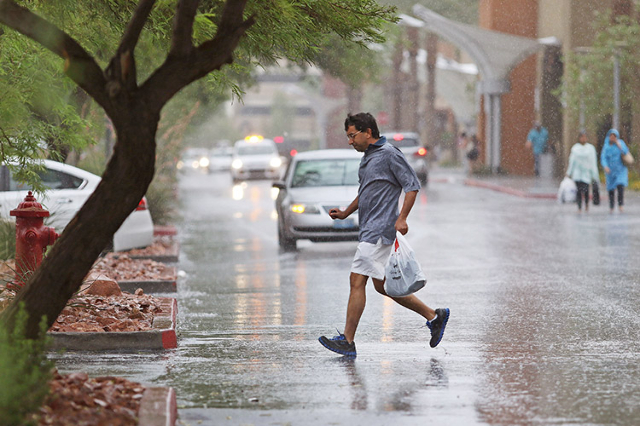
x=444 y=325
x=338 y=351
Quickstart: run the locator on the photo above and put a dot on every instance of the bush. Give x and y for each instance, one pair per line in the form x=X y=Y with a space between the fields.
x=7 y=239
x=162 y=200
x=25 y=371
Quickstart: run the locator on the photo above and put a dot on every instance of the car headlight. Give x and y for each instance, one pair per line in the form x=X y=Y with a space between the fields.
x=304 y=208
x=180 y=165
x=236 y=164
x=195 y=164
x=204 y=162
x=275 y=162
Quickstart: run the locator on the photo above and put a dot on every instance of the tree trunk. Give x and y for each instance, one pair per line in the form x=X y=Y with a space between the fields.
x=414 y=92
x=124 y=183
x=354 y=98
x=396 y=114
x=430 y=107
x=135 y=112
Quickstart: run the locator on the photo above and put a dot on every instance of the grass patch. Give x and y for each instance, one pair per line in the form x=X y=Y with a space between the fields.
x=7 y=239
x=25 y=372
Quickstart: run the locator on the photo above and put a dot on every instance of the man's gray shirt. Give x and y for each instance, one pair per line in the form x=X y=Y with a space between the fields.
x=384 y=172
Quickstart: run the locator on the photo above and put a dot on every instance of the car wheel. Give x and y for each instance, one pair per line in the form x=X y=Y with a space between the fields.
x=286 y=243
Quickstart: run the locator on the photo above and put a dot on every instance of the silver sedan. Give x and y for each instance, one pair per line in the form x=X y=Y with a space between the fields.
x=316 y=182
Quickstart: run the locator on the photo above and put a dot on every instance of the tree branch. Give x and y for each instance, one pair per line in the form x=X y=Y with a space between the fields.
x=181 y=43
x=134 y=28
x=122 y=67
x=177 y=72
x=78 y=64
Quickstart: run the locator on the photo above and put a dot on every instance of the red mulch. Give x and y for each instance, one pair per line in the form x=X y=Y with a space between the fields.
x=121 y=267
x=129 y=312
x=161 y=246
x=78 y=400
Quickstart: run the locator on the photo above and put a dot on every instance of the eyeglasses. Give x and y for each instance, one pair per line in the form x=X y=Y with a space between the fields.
x=350 y=136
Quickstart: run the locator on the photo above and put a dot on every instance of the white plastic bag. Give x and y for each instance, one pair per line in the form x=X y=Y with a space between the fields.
x=567 y=191
x=402 y=272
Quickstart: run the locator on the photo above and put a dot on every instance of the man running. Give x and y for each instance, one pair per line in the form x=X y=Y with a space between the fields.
x=384 y=173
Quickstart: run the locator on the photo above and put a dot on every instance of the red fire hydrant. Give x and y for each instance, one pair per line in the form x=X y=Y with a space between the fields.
x=32 y=237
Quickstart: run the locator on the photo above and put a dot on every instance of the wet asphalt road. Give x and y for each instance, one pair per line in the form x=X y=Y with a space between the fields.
x=543 y=328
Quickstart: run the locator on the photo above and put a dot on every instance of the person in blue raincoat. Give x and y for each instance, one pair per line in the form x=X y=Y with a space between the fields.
x=616 y=173
x=537 y=141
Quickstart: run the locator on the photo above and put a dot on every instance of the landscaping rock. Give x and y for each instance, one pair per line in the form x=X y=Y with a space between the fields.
x=104 y=286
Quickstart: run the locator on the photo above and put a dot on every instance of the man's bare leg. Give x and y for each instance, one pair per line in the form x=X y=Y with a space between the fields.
x=409 y=302
x=357 y=301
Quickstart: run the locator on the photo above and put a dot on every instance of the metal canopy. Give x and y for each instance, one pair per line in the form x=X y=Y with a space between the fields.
x=496 y=55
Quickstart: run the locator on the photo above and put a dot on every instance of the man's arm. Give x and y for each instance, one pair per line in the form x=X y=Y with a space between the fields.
x=407 y=205
x=343 y=214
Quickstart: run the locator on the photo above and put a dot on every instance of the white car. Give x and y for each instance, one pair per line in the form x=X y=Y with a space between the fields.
x=315 y=183
x=194 y=159
x=255 y=157
x=220 y=159
x=68 y=189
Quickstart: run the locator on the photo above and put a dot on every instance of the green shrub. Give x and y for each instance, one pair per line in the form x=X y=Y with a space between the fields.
x=93 y=161
x=7 y=239
x=25 y=372
x=161 y=199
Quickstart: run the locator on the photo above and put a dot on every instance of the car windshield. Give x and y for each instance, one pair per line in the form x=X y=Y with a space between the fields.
x=404 y=142
x=51 y=179
x=255 y=150
x=338 y=172
x=222 y=153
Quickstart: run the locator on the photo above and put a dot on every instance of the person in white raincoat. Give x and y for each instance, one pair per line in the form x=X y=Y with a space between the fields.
x=583 y=169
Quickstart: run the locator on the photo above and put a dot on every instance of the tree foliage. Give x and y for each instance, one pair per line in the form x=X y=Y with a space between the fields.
x=588 y=78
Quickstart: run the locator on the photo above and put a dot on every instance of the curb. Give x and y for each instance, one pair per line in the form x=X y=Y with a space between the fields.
x=158 y=407
x=152 y=286
x=156 y=286
x=161 y=336
x=170 y=230
x=507 y=190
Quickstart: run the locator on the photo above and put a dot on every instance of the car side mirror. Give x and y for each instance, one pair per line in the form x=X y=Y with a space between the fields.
x=279 y=185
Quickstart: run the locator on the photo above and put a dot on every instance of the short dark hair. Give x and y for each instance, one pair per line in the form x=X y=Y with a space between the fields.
x=362 y=121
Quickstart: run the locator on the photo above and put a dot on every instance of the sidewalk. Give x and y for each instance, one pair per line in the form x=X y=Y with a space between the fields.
x=520 y=186
x=526 y=187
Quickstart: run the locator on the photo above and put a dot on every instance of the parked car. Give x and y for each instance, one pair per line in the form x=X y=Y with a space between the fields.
x=414 y=152
x=68 y=189
x=316 y=182
x=255 y=157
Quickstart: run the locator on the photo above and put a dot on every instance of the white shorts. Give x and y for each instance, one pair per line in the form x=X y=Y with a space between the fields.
x=370 y=259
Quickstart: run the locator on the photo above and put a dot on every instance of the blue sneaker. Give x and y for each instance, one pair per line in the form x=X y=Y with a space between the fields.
x=437 y=326
x=339 y=344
